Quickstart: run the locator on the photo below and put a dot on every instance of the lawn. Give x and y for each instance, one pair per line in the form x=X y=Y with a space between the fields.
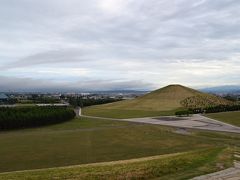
x=172 y=166
x=86 y=140
x=123 y=113
x=227 y=117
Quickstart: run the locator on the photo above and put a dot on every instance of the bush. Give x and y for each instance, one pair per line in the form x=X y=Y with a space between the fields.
x=183 y=113
x=215 y=109
x=16 y=118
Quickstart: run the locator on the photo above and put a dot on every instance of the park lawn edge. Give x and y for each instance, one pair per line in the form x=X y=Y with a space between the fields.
x=164 y=166
x=229 y=117
x=99 y=111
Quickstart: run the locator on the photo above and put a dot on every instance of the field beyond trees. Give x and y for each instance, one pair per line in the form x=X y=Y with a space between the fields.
x=99 y=111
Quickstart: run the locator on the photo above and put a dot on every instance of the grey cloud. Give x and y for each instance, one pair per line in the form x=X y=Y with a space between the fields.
x=51 y=57
x=116 y=85
x=10 y=84
x=145 y=32
x=81 y=34
x=167 y=36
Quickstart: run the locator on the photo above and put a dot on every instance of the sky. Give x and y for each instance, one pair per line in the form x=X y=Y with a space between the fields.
x=74 y=45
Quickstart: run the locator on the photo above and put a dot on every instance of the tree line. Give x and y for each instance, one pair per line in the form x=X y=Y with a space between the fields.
x=79 y=101
x=24 y=117
x=211 y=109
x=41 y=99
x=215 y=109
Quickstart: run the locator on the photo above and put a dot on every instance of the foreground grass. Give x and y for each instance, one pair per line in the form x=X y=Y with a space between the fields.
x=227 y=117
x=123 y=113
x=85 y=140
x=170 y=166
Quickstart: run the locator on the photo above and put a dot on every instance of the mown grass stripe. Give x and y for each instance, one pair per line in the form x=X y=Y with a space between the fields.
x=142 y=168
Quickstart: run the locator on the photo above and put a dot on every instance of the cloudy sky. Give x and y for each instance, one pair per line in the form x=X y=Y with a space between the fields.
x=118 y=44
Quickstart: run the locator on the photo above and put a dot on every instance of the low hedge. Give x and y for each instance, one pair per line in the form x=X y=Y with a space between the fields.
x=216 y=109
x=183 y=113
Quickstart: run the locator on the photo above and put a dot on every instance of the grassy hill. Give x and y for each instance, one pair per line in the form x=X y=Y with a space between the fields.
x=164 y=101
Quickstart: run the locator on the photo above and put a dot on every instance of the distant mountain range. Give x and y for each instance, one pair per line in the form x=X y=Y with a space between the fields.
x=222 y=89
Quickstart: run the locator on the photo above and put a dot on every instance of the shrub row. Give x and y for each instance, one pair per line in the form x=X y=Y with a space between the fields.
x=16 y=118
x=183 y=113
x=215 y=109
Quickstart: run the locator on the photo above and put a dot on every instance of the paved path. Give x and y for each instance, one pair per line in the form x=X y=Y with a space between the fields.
x=227 y=174
x=232 y=173
x=193 y=122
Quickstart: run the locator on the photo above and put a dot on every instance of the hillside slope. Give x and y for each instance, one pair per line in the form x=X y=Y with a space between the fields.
x=169 y=98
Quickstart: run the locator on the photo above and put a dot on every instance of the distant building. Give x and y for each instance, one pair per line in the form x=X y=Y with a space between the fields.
x=3 y=98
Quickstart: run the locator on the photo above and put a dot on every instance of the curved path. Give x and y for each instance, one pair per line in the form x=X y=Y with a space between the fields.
x=227 y=174
x=195 y=121
x=232 y=173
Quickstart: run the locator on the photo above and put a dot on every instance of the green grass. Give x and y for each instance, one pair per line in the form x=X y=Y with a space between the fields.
x=167 y=167
x=89 y=140
x=86 y=140
x=227 y=117
x=123 y=113
x=85 y=123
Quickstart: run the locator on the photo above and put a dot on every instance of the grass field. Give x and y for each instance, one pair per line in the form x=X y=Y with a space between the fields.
x=172 y=166
x=85 y=140
x=100 y=111
x=228 y=117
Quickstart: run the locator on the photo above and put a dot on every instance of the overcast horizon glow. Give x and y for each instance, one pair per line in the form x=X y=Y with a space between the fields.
x=118 y=44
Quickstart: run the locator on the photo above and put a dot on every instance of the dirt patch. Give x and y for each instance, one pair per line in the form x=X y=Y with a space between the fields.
x=182 y=131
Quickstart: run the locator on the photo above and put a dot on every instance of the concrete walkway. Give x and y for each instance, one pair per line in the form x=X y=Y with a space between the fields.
x=232 y=173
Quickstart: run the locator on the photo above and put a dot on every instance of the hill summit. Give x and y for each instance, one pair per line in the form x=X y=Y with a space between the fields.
x=168 y=98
